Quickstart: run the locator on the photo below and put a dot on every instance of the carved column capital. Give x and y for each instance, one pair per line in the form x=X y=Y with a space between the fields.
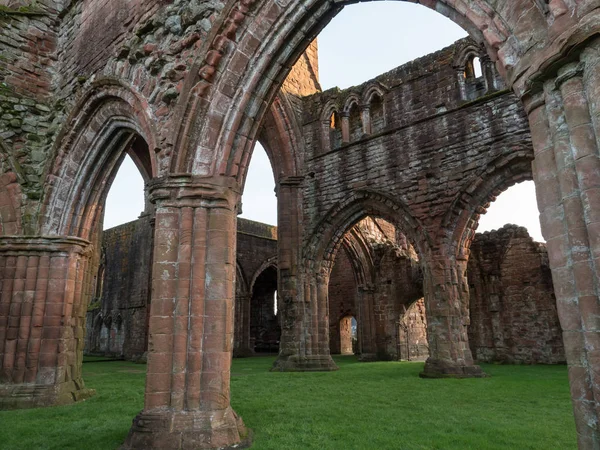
x=190 y=190
x=44 y=244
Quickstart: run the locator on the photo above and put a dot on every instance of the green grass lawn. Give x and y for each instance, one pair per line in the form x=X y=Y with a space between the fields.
x=362 y=406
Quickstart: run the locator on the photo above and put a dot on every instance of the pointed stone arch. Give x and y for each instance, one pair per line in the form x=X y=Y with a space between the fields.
x=328 y=235
x=215 y=142
x=107 y=122
x=461 y=221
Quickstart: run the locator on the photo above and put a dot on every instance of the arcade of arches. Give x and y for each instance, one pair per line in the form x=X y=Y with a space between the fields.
x=186 y=88
x=375 y=292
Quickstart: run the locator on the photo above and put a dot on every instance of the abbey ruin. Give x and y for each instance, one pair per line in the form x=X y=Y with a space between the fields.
x=380 y=188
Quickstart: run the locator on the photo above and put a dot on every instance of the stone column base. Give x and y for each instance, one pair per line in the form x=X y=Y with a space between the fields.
x=165 y=429
x=435 y=368
x=317 y=363
x=22 y=396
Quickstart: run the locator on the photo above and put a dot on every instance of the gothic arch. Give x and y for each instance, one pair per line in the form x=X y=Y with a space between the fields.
x=271 y=262
x=352 y=100
x=328 y=234
x=360 y=257
x=241 y=283
x=109 y=120
x=279 y=136
x=462 y=218
x=372 y=90
x=270 y=50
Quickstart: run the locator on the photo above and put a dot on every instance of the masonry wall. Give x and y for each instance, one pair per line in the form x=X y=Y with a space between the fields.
x=117 y=317
x=433 y=144
x=116 y=321
x=512 y=304
x=256 y=245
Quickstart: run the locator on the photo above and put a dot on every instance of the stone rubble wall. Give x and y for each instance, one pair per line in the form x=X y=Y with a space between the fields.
x=117 y=318
x=513 y=307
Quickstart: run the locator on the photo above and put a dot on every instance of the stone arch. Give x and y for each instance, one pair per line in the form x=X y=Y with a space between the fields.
x=371 y=91
x=270 y=50
x=352 y=100
x=466 y=52
x=109 y=120
x=352 y=113
x=279 y=136
x=270 y=262
x=361 y=258
x=463 y=216
x=331 y=126
x=328 y=234
x=241 y=283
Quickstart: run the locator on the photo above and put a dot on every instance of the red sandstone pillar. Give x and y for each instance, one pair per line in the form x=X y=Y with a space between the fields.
x=42 y=311
x=447 y=308
x=366 y=323
x=191 y=318
x=304 y=343
x=564 y=119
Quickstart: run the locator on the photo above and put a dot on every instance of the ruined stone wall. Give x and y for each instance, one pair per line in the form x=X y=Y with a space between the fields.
x=116 y=322
x=28 y=119
x=512 y=304
x=434 y=142
x=265 y=331
x=117 y=317
x=412 y=333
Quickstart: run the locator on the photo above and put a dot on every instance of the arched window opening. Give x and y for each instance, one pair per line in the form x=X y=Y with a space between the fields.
x=123 y=266
x=474 y=83
x=473 y=68
x=275 y=302
x=335 y=131
x=477 y=70
x=355 y=123
x=125 y=200
x=377 y=114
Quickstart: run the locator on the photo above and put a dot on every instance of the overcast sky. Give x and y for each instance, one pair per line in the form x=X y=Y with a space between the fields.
x=363 y=41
